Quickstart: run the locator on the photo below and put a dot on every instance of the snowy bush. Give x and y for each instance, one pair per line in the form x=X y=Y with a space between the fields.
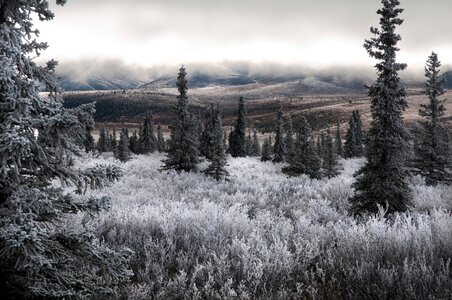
x=262 y=235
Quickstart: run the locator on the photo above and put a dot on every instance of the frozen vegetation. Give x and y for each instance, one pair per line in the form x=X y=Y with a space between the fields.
x=262 y=235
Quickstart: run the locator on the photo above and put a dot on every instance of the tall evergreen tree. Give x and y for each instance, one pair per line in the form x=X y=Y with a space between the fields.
x=338 y=140
x=279 y=148
x=248 y=143
x=289 y=140
x=255 y=146
x=161 y=144
x=382 y=180
x=113 y=141
x=103 y=144
x=123 y=148
x=432 y=148
x=133 y=143
x=218 y=162
x=183 y=145
x=237 y=143
x=353 y=146
x=267 y=150
x=88 y=142
x=303 y=159
x=208 y=138
x=329 y=162
x=147 y=142
x=40 y=257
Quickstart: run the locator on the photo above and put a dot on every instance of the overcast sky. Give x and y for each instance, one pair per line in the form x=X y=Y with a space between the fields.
x=313 y=33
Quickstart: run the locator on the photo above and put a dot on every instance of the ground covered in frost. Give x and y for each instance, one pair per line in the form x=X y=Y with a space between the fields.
x=262 y=235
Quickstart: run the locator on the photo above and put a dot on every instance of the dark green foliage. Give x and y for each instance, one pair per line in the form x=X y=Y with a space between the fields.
x=161 y=145
x=88 y=142
x=208 y=138
x=123 y=148
x=113 y=141
x=103 y=144
x=353 y=146
x=237 y=142
x=303 y=159
x=432 y=148
x=289 y=140
x=329 y=158
x=218 y=162
x=279 y=148
x=183 y=145
x=41 y=255
x=133 y=143
x=147 y=143
x=382 y=180
x=267 y=150
x=338 y=141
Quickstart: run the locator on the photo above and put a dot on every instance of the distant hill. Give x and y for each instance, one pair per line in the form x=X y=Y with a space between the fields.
x=98 y=83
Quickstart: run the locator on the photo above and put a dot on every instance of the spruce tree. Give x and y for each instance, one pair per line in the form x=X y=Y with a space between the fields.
x=267 y=150
x=133 y=143
x=161 y=145
x=338 y=141
x=237 y=143
x=218 y=162
x=147 y=142
x=279 y=148
x=329 y=163
x=303 y=159
x=88 y=142
x=208 y=138
x=103 y=144
x=289 y=140
x=123 y=148
x=255 y=146
x=248 y=143
x=353 y=146
x=382 y=180
x=41 y=257
x=183 y=145
x=432 y=149
x=113 y=141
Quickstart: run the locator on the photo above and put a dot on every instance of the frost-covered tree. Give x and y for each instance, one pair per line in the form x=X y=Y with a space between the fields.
x=208 y=138
x=88 y=142
x=183 y=145
x=217 y=160
x=338 y=141
x=353 y=146
x=289 y=139
x=147 y=142
x=103 y=143
x=161 y=144
x=279 y=148
x=255 y=149
x=381 y=182
x=267 y=149
x=432 y=146
x=123 y=148
x=133 y=143
x=40 y=257
x=237 y=142
x=329 y=162
x=303 y=159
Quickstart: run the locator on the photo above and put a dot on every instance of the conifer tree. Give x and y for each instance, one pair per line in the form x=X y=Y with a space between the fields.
x=303 y=159
x=338 y=141
x=208 y=138
x=248 y=143
x=183 y=145
x=318 y=146
x=40 y=257
x=353 y=146
x=255 y=146
x=279 y=148
x=123 y=148
x=147 y=142
x=237 y=143
x=432 y=148
x=133 y=143
x=225 y=142
x=103 y=144
x=88 y=142
x=289 y=140
x=382 y=180
x=161 y=145
x=329 y=163
x=218 y=162
x=267 y=150
x=113 y=141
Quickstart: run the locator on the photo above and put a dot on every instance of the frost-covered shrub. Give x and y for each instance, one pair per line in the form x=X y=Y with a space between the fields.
x=263 y=235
